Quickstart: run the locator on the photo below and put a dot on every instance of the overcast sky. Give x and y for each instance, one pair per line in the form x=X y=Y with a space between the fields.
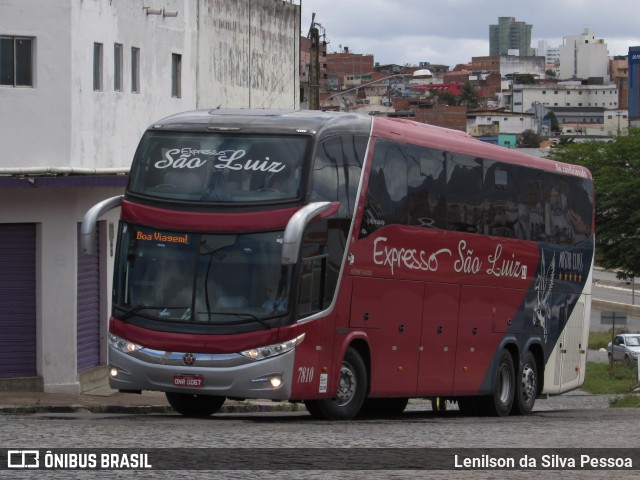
x=452 y=31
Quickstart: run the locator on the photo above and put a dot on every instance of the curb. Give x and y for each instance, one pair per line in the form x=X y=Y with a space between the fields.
x=145 y=409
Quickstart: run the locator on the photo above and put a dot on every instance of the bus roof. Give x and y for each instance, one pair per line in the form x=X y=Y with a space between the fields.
x=316 y=122
x=265 y=121
x=409 y=131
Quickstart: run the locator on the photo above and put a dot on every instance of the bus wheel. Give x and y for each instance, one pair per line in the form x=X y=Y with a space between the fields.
x=192 y=405
x=352 y=390
x=527 y=386
x=383 y=407
x=500 y=402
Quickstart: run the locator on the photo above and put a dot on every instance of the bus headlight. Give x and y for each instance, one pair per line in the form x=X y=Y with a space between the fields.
x=269 y=351
x=122 y=344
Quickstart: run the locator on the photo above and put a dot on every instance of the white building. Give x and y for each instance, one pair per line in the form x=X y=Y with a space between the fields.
x=495 y=123
x=88 y=77
x=583 y=57
x=565 y=94
x=551 y=54
x=616 y=122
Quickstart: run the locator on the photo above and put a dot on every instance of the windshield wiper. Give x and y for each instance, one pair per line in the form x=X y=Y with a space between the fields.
x=245 y=315
x=133 y=310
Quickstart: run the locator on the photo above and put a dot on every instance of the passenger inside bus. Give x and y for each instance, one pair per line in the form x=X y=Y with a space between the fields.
x=274 y=303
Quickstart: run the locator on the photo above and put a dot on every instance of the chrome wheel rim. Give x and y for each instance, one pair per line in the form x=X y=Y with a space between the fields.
x=346 y=385
x=528 y=383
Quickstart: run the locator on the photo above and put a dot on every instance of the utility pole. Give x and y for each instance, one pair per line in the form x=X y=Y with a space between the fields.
x=314 y=66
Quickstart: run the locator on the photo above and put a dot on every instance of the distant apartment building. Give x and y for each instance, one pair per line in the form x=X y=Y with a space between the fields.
x=583 y=57
x=509 y=35
x=569 y=94
x=508 y=65
x=349 y=68
x=551 y=54
x=619 y=72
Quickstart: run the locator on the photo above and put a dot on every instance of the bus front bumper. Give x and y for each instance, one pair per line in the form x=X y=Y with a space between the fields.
x=228 y=375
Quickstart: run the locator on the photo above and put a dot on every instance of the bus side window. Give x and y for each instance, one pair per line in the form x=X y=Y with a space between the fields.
x=316 y=286
x=569 y=208
x=530 y=225
x=386 y=202
x=464 y=186
x=427 y=182
x=337 y=170
x=499 y=200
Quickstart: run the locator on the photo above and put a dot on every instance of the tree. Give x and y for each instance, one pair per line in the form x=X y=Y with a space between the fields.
x=553 y=121
x=529 y=139
x=615 y=167
x=469 y=96
x=524 y=79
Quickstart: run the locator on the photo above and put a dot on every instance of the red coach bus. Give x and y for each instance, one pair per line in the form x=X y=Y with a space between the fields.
x=349 y=262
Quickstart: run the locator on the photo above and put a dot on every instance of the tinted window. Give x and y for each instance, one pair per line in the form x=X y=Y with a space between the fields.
x=386 y=202
x=337 y=170
x=219 y=168
x=474 y=195
x=568 y=210
x=464 y=187
x=427 y=183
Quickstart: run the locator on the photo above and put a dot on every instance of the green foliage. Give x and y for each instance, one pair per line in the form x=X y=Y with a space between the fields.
x=598 y=340
x=529 y=139
x=524 y=79
x=468 y=96
x=555 y=126
x=628 y=401
x=615 y=167
x=602 y=378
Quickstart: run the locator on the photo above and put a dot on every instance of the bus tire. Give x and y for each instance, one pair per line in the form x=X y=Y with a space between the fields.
x=499 y=403
x=527 y=386
x=194 y=405
x=352 y=391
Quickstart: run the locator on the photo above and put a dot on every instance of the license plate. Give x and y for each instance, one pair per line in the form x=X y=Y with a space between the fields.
x=191 y=381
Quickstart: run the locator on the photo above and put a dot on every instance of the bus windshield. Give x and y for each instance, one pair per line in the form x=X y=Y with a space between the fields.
x=189 y=277
x=219 y=168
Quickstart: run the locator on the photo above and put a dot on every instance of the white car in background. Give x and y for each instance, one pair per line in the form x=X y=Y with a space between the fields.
x=625 y=347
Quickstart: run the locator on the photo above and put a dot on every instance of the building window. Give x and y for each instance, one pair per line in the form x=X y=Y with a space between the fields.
x=117 y=67
x=135 y=70
x=176 y=70
x=16 y=61
x=97 y=67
